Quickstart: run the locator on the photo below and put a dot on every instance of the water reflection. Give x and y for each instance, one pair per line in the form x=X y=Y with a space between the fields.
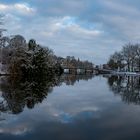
x=72 y=79
x=16 y=94
x=87 y=110
x=128 y=87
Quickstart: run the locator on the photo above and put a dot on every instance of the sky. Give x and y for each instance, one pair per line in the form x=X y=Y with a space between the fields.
x=87 y=29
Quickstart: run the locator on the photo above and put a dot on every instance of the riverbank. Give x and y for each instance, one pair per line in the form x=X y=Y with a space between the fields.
x=126 y=73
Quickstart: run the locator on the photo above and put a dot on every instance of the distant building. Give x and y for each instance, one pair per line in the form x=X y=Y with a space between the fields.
x=105 y=66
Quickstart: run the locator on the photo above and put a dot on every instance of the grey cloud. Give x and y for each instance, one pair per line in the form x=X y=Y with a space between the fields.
x=87 y=29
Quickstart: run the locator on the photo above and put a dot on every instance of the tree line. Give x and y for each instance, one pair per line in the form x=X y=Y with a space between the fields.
x=19 y=57
x=72 y=62
x=128 y=59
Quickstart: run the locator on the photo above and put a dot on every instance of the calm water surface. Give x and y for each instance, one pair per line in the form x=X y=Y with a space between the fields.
x=72 y=108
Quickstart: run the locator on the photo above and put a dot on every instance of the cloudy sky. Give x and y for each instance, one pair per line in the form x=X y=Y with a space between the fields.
x=88 y=29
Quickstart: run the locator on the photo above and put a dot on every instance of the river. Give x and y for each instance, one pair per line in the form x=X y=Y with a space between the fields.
x=82 y=107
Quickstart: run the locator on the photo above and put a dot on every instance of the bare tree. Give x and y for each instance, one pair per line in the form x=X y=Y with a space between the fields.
x=129 y=56
x=129 y=52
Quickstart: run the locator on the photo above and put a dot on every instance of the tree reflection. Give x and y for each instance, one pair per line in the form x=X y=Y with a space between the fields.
x=71 y=79
x=128 y=87
x=18 y=93
x=25 y=92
